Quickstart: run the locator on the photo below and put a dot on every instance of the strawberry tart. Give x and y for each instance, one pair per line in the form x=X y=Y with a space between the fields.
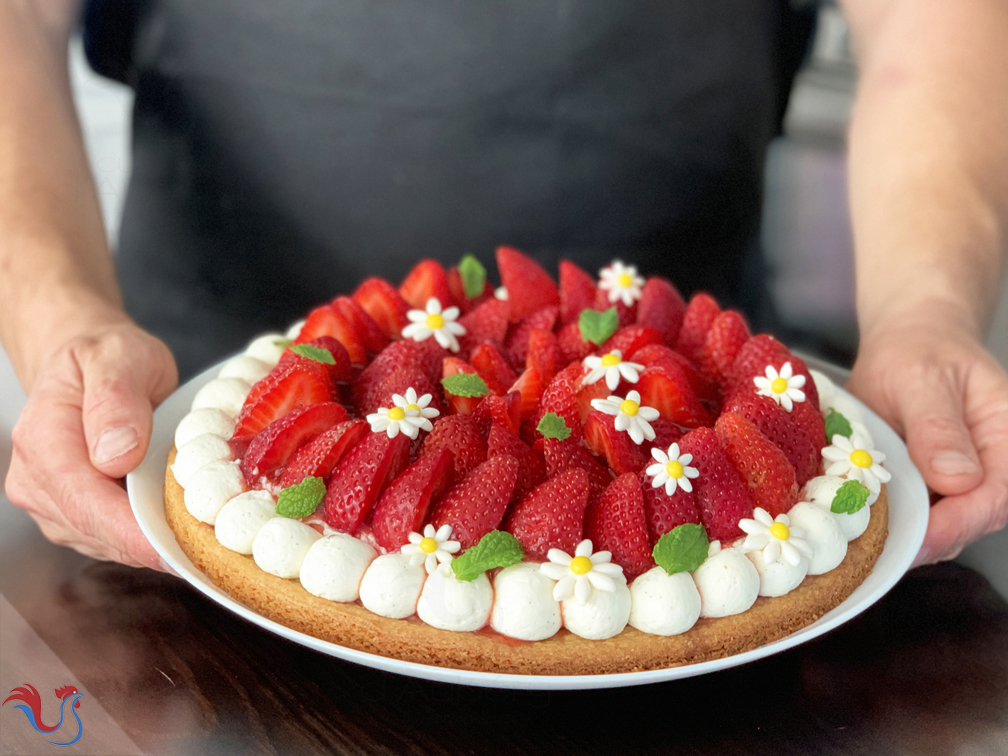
x=576 y=478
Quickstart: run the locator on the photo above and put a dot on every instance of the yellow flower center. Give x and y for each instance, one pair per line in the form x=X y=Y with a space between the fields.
x=610 y=359
x=780 y=531
x=674 y=468
x=412 y=407
x=625 y=280
x=580 y=565
x=629 y=407
x=396 y=413
x=861 y=458
x=435 y=321
x=779 y=385
x=428 y=545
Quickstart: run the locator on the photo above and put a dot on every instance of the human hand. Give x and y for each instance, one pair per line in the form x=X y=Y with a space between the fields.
x=86 y=424
x=932 y=380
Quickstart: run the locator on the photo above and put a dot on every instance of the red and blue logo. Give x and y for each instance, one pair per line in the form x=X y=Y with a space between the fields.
x=31 y=706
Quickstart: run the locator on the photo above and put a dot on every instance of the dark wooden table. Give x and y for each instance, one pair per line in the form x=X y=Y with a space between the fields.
x=923 y=672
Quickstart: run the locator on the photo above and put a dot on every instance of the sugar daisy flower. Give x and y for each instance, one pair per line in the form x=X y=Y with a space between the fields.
x=630 y=415
x=578 y=575
x=612 y=367
x=856 y=459
x=621 y=283
x=437 y=323
x=671 y=469
x=784 y=387
x=408 y=414
x=431 y=548
x=775 y=538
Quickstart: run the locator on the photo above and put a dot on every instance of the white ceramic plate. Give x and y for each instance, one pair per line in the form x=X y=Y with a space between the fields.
x=908 y=516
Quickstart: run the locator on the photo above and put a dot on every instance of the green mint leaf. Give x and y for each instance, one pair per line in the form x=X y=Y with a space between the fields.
x=473 y=276
x=497 y=548
x=837 y=424
x=283 y=342
x=314 y=353
x=553 y=426
x=682 y=549
x=301 y=499
x=465 y=384
x=850 y=498
x=597 y=327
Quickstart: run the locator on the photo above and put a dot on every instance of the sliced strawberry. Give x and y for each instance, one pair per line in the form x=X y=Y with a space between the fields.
x=339 y=371
x=427 y=279
x=476 y=504
x=296 y=385
x=543 y=354
x=666 y=512
x=457 y=289
x=516 y=344
x=727 y=334
x=627 y=314
x=505 y=410
x=459 y=405
x=532 y=467
x=630 y=339
x=320 y=457
x=272 y=447
x=488 y=322
x=460 y=435
x=560 y=398
x=374 y=337
x=403 y=506
x=493 y=368
x=699 y=317
x=616 y=447
x=653 y=353
x=572 y=347
x=531 y=386
x=561 y=456
x=380 y=300
x=360 y=477
x=529 y=287
x=588 y=392
x=722 y=497
x=328 y=321
x=552 y=515
x=782 y=429
x=577 y=291
x=616 y=522
x=661 y=307
x=664 y=386
x=761 y=465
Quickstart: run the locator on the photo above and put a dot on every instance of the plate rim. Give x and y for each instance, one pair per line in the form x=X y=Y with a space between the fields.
x=913 y=503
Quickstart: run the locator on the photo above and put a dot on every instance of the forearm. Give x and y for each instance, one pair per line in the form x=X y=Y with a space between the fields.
x=56 y=276
x=928 y=158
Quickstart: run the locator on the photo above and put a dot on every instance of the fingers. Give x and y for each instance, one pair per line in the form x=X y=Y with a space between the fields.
x=956 y=521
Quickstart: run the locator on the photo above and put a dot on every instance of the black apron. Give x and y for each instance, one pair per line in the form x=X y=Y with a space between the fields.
x=283 y=151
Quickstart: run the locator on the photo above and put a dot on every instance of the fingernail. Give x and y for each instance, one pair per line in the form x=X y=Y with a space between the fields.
x=114 y=443
x=953 y=463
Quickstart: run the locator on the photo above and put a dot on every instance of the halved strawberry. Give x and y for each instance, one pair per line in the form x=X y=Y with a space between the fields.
x=493 y=368
x=630 y=339
x=296 y=385
x=761 y=352
x=460 y=435
x=666 y=433
x=561 y=456
x=403 y=506
x=697 y=320
x=516 y=344
x=505 y=410
x=532 y=467
x=338 y=372
x=427 y=279
x=656 y=353
x=380 y=300
x=616 y=447
x=375 y=339
x=476 y=504
x=661 y=307
x=459 y=405
x=272 y=447
x=577 y=291
x=587 y=392
x=727 y=334
x=666 y=512
x=488 y=322
x=529 y=287
x=572 y=347
x=761 y=465
x=360 y=477
x=616 y=522
x=397 y=382
x=664 y=386
x=328 y=321
x=722 y=497
x=543 y=354
x=320 y=457
x=531 y=386
x=627 y=314
x=551 y=516
x=560 y=398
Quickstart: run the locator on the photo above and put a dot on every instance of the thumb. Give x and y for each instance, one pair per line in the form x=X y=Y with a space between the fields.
x=938 y=438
